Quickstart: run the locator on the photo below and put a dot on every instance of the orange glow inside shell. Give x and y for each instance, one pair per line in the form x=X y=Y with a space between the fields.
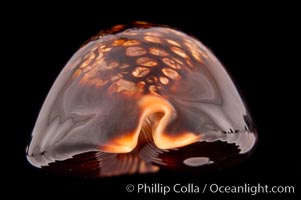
x=151 y=104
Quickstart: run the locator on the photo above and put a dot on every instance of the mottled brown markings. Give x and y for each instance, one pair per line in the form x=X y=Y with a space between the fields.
x=130 y=33
x=197 y=56
x=146 y=62
x=140 y=72
x=164 y=80
x=171 y=63
x=131 y=43
x=76 y=74
x=152 y=39
x=84 y=80
x=194 y=50
x=89 y=55
x=90 y=78
x=179 y=51
x=123 y=86
x=99 y=57
x=104 y=48
x=100 y=53
x=153 y=34
x=141 y=84
x=87 y=59
x=189 y=44
x=90 y=66
x=189 y=63
x=100 y=83
x=171 y=73
x=123 y=66
x=135 y=51
x=113 y=65
x=157 y=52
x=181 y=58
x=172 y=42
x=115 y=78
x=177 y=60
x=118 y=42
x=151 y=79
x=153 y=89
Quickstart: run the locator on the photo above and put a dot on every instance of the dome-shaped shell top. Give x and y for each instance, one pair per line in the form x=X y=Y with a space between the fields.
x=138 y=97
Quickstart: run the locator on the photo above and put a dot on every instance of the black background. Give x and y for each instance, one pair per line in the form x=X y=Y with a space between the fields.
x=250 y=40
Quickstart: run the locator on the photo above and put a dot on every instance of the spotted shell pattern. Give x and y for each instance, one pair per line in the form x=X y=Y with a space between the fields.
x=136 y=98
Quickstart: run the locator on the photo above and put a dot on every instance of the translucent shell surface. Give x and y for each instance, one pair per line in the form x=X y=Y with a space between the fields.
x=137 y=98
